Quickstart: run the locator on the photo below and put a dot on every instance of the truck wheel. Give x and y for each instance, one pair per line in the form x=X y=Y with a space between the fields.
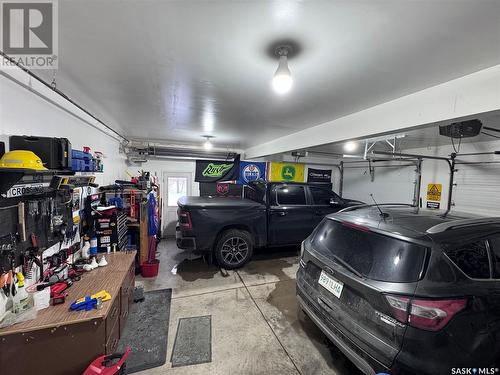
x=234 y=249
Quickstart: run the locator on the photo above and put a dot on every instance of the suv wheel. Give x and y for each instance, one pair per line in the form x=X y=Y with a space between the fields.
x=234 y=249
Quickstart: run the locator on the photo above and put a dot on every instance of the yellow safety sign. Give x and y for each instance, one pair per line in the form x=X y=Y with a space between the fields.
x=434 y=192
x=291 y=172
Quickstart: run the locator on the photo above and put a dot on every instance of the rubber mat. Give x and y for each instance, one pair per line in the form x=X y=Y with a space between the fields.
x=193 y=341
x=146 y=331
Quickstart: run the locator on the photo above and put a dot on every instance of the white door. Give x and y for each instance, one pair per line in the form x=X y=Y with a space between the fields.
x=176 y=185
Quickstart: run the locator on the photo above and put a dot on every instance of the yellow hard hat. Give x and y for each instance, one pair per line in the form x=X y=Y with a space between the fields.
x=21 y=159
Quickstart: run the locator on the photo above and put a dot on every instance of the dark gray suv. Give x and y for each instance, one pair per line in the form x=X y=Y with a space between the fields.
x=406 y=292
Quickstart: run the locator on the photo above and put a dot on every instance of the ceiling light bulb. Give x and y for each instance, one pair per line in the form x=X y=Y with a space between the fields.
x=282 y=80
x=350 y=146
x=207 y=145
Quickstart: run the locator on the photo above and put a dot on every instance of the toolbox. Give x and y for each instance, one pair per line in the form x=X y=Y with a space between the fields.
x=54 y=152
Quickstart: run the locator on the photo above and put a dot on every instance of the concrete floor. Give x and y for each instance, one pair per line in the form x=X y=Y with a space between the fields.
x=257 y=326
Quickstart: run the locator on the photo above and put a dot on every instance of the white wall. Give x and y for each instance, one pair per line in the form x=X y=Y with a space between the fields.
x=24 y=112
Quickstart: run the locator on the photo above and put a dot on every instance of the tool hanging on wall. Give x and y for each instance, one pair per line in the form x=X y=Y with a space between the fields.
x=21 y=221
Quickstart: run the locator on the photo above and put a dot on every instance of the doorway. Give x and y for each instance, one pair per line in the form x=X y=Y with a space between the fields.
x=176 y=185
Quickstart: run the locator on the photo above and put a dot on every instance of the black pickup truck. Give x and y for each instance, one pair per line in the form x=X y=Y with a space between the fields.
x=271 y=214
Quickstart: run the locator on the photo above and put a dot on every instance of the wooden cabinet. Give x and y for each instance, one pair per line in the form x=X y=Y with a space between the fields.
x=63 y=342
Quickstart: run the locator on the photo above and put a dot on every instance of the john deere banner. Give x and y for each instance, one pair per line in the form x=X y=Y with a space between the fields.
x=217 y=170
x=251 y=171
x=291 y=172
x=319 y=176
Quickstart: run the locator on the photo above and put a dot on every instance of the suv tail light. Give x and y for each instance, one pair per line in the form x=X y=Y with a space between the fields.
x=185 y=220
x=431 y=315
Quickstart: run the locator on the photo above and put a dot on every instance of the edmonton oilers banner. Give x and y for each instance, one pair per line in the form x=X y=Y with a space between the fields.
x=251 y=171
x=217 y=170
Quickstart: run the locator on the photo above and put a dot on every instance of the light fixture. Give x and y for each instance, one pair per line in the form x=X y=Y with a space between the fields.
x=208 y=145
x=282 y=80
x=350 y=146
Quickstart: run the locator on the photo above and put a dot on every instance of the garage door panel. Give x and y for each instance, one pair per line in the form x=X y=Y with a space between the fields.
x=390 y=184
x=477 y=189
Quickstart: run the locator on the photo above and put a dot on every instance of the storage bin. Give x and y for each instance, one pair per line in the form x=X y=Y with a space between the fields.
x=77 y=154
x=150 y=269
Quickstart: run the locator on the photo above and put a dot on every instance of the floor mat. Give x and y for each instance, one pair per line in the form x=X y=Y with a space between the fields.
x=193 y=341
x=146 y=331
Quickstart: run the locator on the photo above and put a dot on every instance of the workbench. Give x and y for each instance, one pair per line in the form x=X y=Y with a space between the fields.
x=60 y=341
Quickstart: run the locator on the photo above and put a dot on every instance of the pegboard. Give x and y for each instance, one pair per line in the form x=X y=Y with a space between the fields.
x=42 y=219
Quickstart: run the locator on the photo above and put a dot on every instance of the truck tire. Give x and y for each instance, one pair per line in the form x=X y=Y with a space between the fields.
x=234 y=249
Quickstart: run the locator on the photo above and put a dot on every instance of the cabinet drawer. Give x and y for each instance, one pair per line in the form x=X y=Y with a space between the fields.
x=130 y=275
x=126 y=291
x=113 y=316
x=113 y=338
x=127 y=297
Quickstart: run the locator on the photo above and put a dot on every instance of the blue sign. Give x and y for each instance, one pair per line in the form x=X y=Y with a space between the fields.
x=251 y=171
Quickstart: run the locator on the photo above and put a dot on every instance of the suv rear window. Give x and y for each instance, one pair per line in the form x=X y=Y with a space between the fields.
x=375 y=256
x=472 y=259
x=495 y=255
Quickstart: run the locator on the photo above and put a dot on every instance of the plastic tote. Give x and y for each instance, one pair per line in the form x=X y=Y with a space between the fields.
x=150 y=269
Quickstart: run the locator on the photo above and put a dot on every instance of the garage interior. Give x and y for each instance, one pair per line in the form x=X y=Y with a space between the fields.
x=145 y=118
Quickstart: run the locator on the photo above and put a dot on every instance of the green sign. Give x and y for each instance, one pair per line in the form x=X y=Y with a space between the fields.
x=288 y=172
x=216 y=170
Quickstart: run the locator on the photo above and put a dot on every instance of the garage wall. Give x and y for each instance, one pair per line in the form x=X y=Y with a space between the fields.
x=477 y=185
x=389 y=183
x=24 y=112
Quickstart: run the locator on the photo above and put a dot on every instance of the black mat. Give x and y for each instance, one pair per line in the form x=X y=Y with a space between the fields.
x=146 y=331
x=193 y=341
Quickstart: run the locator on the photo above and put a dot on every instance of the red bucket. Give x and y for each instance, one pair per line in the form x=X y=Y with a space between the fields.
x=150 y=269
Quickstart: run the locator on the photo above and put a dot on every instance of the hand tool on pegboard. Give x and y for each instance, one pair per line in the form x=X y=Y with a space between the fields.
x=21 y=221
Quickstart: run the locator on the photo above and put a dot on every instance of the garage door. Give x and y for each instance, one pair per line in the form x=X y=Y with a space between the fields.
x=477 y=189
x=393 y=184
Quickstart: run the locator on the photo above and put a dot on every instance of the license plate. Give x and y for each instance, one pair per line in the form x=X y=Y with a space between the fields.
x=330 y=284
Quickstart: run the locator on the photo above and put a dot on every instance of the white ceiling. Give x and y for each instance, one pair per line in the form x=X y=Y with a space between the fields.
x=161 y=70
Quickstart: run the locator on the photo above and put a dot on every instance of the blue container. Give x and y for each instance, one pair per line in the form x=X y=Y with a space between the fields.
x=76 y=165
x=79 y=165
x=93 y=246
x=77 y=154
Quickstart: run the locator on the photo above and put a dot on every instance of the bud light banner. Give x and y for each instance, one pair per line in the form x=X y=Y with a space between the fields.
x=319 y=176
x=251 y=171
x=217 y=170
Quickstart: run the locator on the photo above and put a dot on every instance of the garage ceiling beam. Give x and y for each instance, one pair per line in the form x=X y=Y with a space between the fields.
x=465 y=96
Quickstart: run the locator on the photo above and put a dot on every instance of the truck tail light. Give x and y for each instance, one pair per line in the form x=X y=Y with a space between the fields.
x=185 y=220
x=431 y=315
